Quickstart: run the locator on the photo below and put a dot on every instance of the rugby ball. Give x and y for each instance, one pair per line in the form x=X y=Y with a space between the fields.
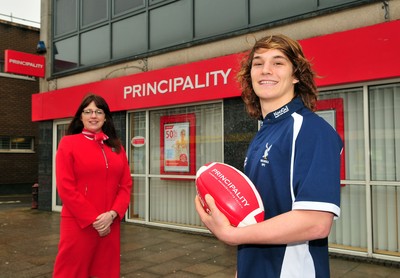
x=234 y=193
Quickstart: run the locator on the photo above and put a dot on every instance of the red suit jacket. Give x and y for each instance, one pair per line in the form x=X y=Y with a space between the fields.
x=91 y=179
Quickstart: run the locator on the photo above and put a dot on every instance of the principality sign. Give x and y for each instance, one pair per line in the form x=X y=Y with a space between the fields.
x=206 y=80
x=215 y=78
x=24 y=63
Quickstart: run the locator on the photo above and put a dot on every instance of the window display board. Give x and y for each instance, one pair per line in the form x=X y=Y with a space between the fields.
x=332 y=111
x=177 y=144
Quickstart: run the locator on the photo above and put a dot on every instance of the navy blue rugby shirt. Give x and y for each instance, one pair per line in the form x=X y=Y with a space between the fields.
x=294 y=162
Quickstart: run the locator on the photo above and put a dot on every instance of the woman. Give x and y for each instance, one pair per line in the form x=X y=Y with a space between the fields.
x=94 y=184
x=294 y=162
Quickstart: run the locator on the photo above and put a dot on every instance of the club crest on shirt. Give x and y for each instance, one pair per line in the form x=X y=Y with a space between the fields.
x=264 y=159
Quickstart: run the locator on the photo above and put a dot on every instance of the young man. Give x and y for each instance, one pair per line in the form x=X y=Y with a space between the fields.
x=294 y=162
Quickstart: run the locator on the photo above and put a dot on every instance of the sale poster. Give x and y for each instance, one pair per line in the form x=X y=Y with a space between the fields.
x=176 y=147
x=177 y=144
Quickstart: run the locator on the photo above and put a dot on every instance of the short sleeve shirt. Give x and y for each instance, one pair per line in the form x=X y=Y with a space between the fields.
x=294 y=162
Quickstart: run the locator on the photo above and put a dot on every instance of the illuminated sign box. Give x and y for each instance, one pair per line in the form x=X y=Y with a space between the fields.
x=24 y=63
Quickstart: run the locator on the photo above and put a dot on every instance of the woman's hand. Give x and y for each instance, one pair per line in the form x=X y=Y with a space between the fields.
x=105 y=232
x=103 y=223
x=215 y=221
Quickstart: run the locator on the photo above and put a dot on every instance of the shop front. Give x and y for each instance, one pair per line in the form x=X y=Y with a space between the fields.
x=174 y=123
x=176 y=119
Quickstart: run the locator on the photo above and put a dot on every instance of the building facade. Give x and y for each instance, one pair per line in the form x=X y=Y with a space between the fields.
x=168 y=68
x=18 y=134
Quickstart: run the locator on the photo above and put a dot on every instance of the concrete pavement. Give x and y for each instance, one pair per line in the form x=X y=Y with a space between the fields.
x=29 y=238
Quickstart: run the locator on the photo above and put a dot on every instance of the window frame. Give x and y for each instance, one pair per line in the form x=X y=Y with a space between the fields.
x=188 y=40
x=16 y=150
x=366 y=184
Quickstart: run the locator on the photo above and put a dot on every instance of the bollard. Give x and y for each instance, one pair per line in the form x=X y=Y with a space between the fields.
x=35 y=195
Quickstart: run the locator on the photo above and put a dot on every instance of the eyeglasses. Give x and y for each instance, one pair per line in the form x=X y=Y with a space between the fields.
x=89 y=112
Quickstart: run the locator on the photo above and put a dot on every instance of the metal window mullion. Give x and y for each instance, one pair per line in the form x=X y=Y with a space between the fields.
x=147 y=169
x=368 y=172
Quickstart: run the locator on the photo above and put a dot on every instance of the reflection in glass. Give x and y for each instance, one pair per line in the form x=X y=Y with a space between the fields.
x=66 y=54
x=354 y=140
x=129 y=36
x=65 y=16
x=122 y=6
x=94 y=11
x=386 y=219
x=95 y=46
x=384 y=104
x=170 y=24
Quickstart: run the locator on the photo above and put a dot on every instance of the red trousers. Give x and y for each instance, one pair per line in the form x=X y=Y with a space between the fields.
x=82 y=253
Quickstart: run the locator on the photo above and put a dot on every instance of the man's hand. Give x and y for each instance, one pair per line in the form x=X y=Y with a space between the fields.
x=215 y=221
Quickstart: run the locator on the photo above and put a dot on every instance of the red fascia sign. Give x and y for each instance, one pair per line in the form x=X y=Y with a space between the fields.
x=212 y=79
x=358 y=55
x=24 y=63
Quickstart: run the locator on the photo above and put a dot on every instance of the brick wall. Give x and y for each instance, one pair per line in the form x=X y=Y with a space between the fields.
x=18 y=171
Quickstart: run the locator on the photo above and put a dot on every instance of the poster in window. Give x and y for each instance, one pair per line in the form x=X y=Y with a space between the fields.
x=177 y=135
x=332 y=111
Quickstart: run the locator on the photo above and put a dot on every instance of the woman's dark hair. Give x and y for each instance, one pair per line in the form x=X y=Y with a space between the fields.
x=76 y=125
x=305 y=88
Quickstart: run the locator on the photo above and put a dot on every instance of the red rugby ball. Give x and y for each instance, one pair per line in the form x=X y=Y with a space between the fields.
x=234 y=193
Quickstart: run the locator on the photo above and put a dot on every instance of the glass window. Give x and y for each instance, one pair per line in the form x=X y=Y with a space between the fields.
x=262 y=11
x=168 y=23
x=137 y=208
x=66 y=54
x=171 y=201
x=351 y=228
x=331 y=3
x=211 y=17
x=94 y=11
x=129 y=36
x=170 y=194
x=16 y=143
x=384 y=106
x=21 y=143
x=65 y=17
x=95 y=46
x=156 y=1
x=5 y=143
x=122 y=6
x=354 y=134
x=171 y=24
x=208 y=144
x=386 y=219
x=137 y=163
x=137 y=154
